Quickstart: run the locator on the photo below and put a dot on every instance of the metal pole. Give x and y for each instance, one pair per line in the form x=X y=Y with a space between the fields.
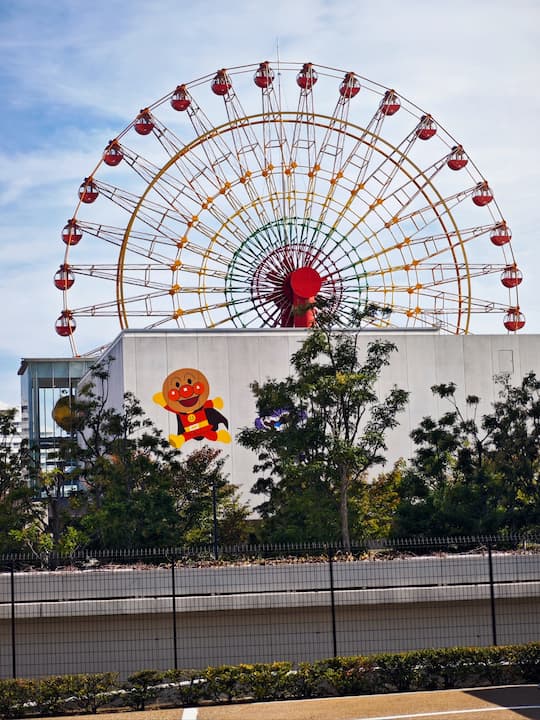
x=492 y=596
x=175 y=633
x=214 y=511
x=332 y=600
x=13 y=655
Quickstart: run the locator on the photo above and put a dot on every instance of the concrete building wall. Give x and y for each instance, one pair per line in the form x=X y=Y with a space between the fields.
x=233 y=359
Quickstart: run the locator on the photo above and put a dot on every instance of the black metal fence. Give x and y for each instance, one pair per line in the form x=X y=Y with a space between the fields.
x=159 y=609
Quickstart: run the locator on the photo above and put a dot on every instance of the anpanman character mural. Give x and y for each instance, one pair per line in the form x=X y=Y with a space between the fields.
x=185 y=392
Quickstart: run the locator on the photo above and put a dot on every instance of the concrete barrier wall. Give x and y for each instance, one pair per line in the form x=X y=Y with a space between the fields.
x=122 y=620
x=40 y=586
x=131 y=642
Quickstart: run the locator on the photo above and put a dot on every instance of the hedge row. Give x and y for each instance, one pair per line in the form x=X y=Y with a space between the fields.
x=389 y=672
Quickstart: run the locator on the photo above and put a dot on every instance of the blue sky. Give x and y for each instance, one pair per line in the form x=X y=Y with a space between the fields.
x=73 y=74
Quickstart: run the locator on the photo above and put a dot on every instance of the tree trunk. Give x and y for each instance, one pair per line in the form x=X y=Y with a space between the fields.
x=344 y=510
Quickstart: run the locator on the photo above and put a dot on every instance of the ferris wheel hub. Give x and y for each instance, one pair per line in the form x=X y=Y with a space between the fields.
x=305 y=282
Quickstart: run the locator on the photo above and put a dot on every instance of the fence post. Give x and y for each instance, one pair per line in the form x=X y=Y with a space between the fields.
x=492 y=596
x=175 y=635
x=332 y=599
x=13 y=652
x=215 y=535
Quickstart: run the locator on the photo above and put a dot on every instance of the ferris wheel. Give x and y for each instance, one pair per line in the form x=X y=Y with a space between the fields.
x=243 y=197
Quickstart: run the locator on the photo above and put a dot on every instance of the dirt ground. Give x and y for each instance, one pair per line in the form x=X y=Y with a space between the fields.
x=501 y=703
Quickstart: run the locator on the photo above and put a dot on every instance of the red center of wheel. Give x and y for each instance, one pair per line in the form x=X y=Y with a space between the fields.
x=305 y=282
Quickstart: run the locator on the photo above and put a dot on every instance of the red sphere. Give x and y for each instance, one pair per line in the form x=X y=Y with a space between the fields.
x=305 y=282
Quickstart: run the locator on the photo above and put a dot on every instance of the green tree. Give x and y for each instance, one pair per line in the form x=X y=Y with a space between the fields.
x=334 y=431
x=377 y=502
x=136 y=490
x=513 y=427
x=475 y=476
x=199 y=479
x=17 y=507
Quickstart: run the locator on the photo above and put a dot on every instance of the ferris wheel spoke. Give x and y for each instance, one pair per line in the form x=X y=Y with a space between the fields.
x=393 y=161
x=356 y=162
x=415 y=187
x=173 y=183
x=440 y=206
x=147 y=246
x=419 y=220
x=182 y=180
x=331 y=147
x=144 y=278
x=151 y=213
x=218 y=155
x=276 y=148
x=105 y=309
x=431 y=318
x=430 y=246
x=392 y=205
x=208 y=187
x=172 y=192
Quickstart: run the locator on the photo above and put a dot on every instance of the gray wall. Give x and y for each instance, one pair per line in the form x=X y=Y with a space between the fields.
x=121 y=619
x=232 y=359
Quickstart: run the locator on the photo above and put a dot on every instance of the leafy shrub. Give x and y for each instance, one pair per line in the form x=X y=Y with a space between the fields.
x=441 y=669
x=341 y=676
x=141 y=687
x=93 y=690
x=221 y=683
x=265 y=681
x=14 y=695
x=396 y=671
x=305 y=681
x=184 y=687
x=526 y=658
x=385 y=672
x=51 y=694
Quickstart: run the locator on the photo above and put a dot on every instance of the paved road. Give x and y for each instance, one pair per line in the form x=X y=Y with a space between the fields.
x=516 y=703
x=501 y=703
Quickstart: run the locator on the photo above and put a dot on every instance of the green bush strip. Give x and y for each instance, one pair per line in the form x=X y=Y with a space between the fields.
x=382 y=673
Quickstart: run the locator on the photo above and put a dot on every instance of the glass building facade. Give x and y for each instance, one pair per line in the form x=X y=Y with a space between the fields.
x=44 y=382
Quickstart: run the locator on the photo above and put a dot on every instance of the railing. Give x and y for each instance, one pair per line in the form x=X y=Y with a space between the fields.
x=178 y=608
